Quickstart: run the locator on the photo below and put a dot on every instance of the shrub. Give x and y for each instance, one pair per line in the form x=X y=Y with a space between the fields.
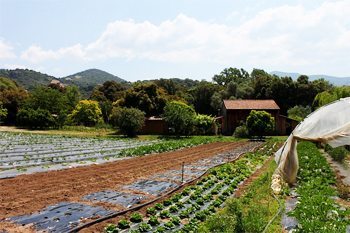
x=136 y=217
x=87 y=113
x=203 y=124
x=179 y=117
x=260 y=123
x=36 y=119
x=241 y=132
x=128 y=120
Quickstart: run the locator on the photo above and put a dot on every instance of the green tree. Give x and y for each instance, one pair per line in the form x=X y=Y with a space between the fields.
x=147 y=97
x=36 y=118
x=11 y=96
x=128 y=120
x=3 y=112
x=331 y=95
x=73 y=96
x=299 y=112
x=231 y=75
x=202 y=94
x=260 y=123
x=87 y=112
x=179 y=117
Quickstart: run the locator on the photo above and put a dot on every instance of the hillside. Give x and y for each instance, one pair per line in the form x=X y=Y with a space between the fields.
x=29 y=79
x=338 y=81
x=88 y=79
x=6 y=83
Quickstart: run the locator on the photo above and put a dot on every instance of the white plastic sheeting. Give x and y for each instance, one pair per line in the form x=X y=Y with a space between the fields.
x=329 y=124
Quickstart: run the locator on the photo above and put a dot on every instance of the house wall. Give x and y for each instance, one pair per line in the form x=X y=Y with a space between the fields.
x=153 y=126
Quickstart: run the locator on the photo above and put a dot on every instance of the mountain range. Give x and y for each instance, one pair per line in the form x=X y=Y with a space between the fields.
x=338 y=81
x=85 y=80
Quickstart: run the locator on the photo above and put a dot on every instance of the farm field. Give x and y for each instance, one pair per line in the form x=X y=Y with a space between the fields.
x=146 y=177
x=29 y=153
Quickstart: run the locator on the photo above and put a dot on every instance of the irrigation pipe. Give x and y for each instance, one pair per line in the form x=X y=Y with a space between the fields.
x=88 y=224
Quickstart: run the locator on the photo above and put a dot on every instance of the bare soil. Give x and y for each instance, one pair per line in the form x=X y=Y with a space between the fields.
x=29 y=193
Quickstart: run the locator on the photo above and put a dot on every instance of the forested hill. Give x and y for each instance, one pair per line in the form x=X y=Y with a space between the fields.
x=29 y=79
x=85 y=80
x=338 y=81
x=88 y=79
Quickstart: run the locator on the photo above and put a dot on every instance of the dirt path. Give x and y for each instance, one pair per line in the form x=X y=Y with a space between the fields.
x=28 y=193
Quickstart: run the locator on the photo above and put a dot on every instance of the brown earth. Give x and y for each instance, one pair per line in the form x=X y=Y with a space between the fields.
x=29 y=193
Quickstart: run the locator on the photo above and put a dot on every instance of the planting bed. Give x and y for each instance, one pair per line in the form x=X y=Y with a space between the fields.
x=111 y=186
x=27 y=153
x=185 y=210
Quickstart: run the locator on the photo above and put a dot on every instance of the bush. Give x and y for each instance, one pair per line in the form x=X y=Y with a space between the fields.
x=260 y=123
x=179 y=117
x=36 y=119
x=144 y=227
x=153 y=221
x=241 y=132
x=204 y=124
x=128 y=120
x=87 y=113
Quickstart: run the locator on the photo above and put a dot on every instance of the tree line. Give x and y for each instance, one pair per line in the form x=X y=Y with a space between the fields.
x=53 y=106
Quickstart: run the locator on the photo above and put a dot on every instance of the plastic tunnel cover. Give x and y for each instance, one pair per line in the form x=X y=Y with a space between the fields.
x=329 y=124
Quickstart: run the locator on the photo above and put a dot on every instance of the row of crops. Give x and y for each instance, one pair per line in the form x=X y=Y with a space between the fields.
x=29 y=153
x=184 y=211
x=27 y=150
x=317 y=209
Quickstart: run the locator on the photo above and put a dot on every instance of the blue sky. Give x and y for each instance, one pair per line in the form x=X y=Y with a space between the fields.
x=196 y=39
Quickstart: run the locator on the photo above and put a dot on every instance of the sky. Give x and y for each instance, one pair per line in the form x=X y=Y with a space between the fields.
x=148 y=39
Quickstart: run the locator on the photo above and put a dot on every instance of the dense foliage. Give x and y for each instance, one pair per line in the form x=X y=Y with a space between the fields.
x=298 y=112
x=128 y=120
x=86 y=112
x=260 y=123
x=151 y=97
x=179 y=117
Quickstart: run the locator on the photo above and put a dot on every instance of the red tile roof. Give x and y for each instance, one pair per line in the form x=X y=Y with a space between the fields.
x=251 y=104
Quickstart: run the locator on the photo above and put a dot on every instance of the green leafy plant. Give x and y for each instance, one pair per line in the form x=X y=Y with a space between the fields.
x=111 y=228
x=144 y=227
x=136 y=217
x=153 y=221
x=123 y=224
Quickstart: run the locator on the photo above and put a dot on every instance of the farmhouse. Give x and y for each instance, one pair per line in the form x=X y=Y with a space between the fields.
x=236 y=111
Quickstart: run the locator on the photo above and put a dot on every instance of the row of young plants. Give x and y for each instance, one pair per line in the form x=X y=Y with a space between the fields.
x=27 y=150
x=251 y=211
x=317 y=210
x=184 y=211
x=174 y=144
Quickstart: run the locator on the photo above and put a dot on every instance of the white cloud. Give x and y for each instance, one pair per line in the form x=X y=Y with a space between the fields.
x=284 y=36
x=6 y=50
x=36 y=54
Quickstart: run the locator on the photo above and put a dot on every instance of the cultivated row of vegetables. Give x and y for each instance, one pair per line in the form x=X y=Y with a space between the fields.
x=26 y=150
x=317 y=209
x=184 y=211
